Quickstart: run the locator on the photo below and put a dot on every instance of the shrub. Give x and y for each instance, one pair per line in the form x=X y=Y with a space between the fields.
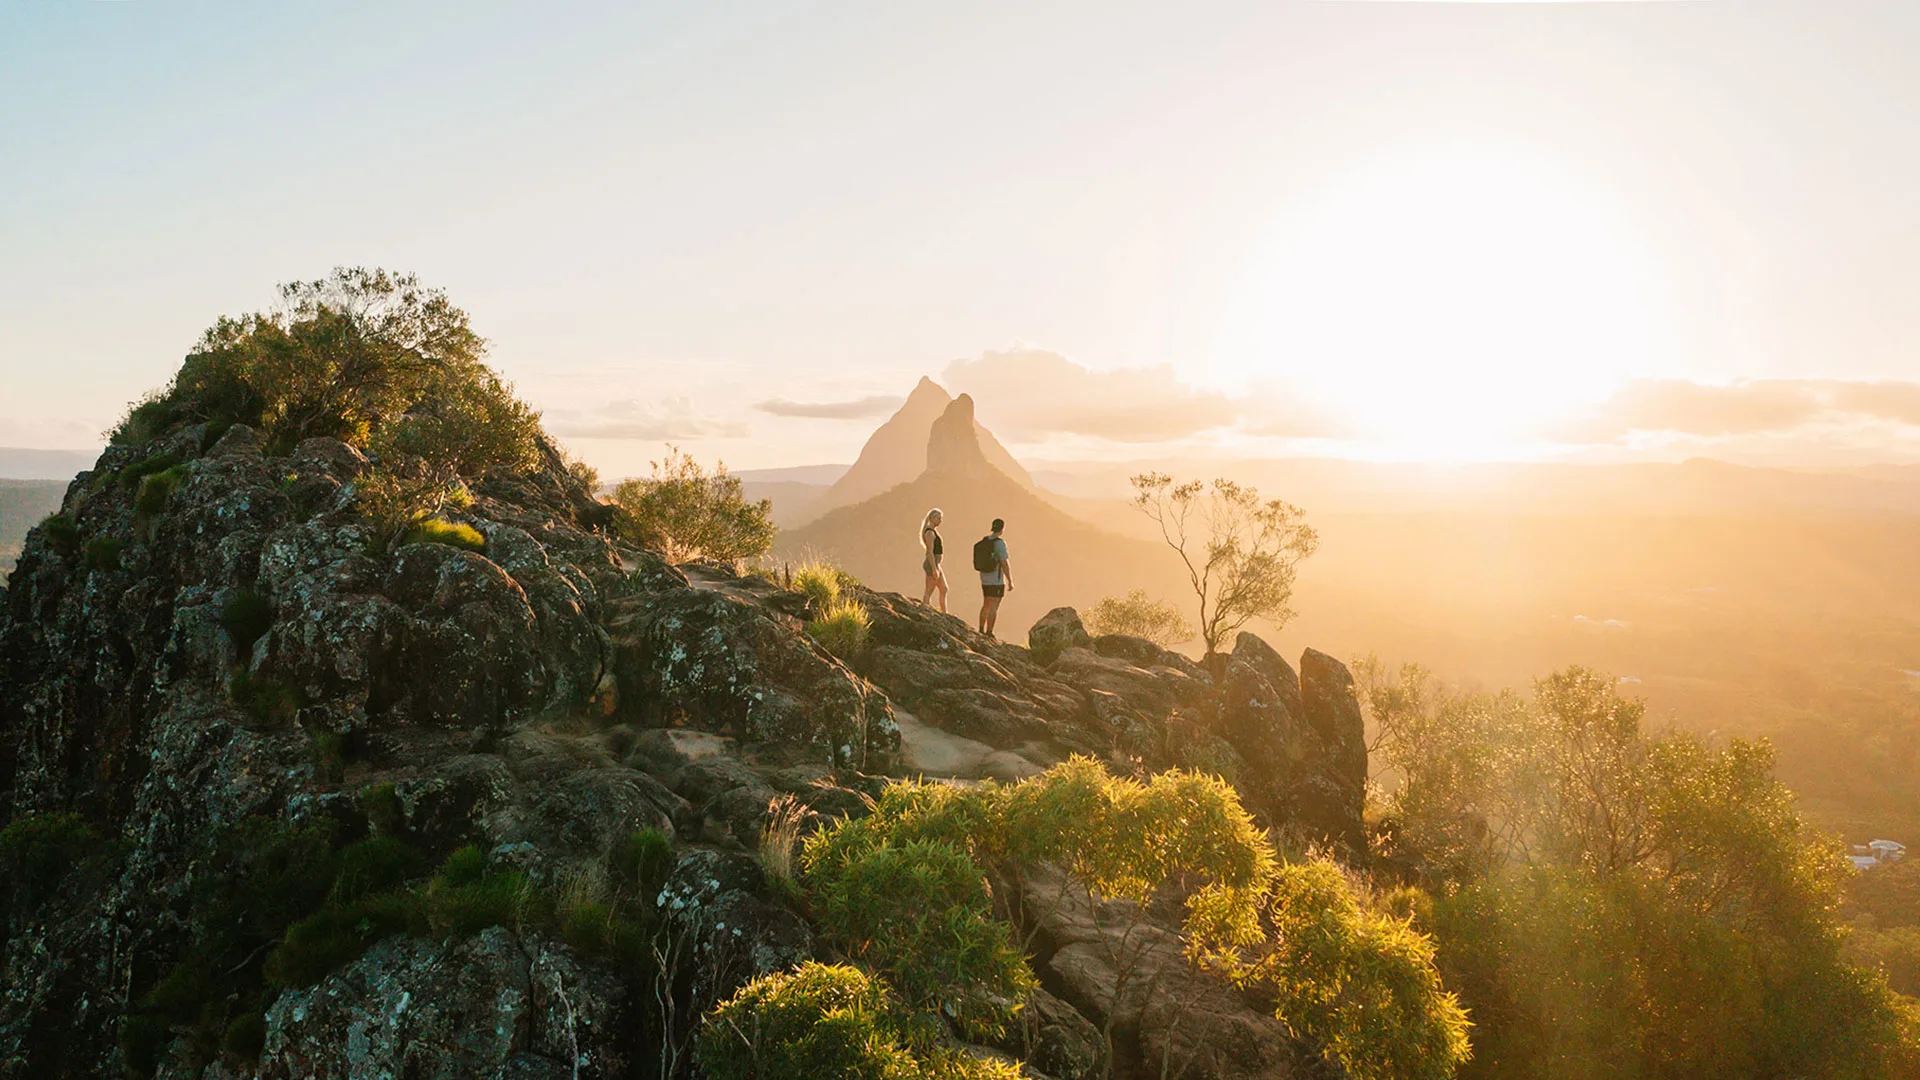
x=136 y=474
x=436 y=530
x=374 y=865
x=61 y=533
x=688 y=513
x=266 y=699
x=822 y=1021
x=103 y=553
x=246 y=1036
x=1360 y=986
x=841 y=628
x=643 y=859
x=1139 y=615
x=465 y=898
x=157 y=490
x=381 y=803
x=38 y=850
x=920 y=914
x=246 y=618
x=329 y=753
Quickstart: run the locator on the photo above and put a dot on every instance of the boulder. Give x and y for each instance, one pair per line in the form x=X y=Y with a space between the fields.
x=726 y=924
x=1055 y=632
x=1332 y=712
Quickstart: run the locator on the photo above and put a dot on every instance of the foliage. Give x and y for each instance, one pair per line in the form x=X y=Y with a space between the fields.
x=246 y=617
x=370 y=357
x=1139 y=615
x=381 y=803
x=246 y=1036
x=1358 y=985
x=435 y=530
x=267 y=700
x=825 y=1021
x=688 y=513
x=841 y=628
x=644 y=858
x=819 y=582
x=780 y=836
x=920 y=914
x=1610 y=903
x=61 y=533
x=157 y=490
x=136 y=474
x=1894 y=953
x=103 y=553
x=902 y=890
x=1240 y=553
x=38 y=851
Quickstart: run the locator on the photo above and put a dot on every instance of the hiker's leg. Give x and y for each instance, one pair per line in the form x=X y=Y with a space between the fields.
x=986 y=605
x=940 y=588
x=993 y=614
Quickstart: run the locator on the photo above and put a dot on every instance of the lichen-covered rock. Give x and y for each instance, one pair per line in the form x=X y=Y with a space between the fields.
x=726 y=924
x=1055 y=632
x=715 y=661
x=495 y=1004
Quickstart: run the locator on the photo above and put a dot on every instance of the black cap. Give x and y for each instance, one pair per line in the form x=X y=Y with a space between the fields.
x=998 y=524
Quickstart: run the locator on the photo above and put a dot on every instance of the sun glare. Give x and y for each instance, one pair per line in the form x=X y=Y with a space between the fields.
x=1445 y=301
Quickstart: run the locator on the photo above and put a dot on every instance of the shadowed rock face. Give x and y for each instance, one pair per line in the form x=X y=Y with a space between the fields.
x=953 y=446
x=541 y=699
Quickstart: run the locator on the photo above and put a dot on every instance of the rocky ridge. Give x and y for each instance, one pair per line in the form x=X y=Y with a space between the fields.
x=173 y=676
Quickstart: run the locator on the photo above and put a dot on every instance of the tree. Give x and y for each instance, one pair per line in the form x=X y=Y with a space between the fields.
x=689 y=513
x=1141 y=616
x=1240 y=552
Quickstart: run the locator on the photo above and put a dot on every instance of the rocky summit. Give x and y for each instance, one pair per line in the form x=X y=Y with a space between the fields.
x=237 y=735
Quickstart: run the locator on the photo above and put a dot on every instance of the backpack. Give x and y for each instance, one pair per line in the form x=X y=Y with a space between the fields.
x=986 y=557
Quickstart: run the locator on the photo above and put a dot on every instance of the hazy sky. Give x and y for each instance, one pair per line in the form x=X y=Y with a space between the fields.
x=1387 y=229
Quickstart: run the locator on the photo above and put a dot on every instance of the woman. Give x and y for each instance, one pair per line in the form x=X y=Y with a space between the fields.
x=930 y=562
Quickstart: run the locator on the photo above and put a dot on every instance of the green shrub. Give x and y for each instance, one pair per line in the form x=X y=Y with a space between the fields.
x=135 y=474
x=316 y=946
x=1359 y=986
x=374 y=865
x=103 y=553
x=245 y=1037
x=687 y=513
x=246 y=618
x=329 y=752
x=266 y=699
x=464 y=866
x=841 y=628
x=38 y=850
x=821 y=1021
x=436 y=530
x=643 y=859
x=381 y=803
x=61 y=533
x=920 y=914
x=1139 y=615
x=157 y=490
x=145 y=419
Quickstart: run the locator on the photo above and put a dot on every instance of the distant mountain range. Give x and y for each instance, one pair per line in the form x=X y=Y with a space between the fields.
x=1057 y=558
x=20 y=463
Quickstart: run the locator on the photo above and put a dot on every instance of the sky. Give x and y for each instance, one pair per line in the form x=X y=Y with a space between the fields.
x=1397 y=231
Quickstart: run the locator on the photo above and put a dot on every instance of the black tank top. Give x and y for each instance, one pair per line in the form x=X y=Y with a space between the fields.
x=938 y=549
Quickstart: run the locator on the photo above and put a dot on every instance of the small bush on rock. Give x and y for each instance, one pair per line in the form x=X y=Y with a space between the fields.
x=821 y=1021
x=61 y=533
x=644 y=858
x=246 y=618
x=436 y=530
x=820 y=582
x=156 y=491
x=266 y=699
x=842 y=628
x=38 y=850
x=135 y=474
x=103 y=553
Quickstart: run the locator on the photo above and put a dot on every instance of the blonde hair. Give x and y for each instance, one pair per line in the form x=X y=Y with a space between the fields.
x=927 y=522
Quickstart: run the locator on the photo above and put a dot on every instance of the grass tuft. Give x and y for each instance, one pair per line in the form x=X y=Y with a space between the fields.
x=842 y=627
x=435 y=530
x=103 y=553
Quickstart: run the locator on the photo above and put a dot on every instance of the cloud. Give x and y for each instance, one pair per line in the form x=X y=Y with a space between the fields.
x=1029 y=394
x=858 y=408
x=669 y=418
x=1749 y=407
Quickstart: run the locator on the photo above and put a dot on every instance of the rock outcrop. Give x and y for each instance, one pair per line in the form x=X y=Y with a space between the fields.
x=205 y=694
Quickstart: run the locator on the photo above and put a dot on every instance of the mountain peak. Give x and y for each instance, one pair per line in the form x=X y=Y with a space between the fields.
x=953 y=443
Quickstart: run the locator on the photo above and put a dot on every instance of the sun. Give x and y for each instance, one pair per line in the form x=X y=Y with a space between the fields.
x=1446 y=301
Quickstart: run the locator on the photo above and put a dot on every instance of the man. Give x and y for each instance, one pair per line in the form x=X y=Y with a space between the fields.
x=996 y=575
